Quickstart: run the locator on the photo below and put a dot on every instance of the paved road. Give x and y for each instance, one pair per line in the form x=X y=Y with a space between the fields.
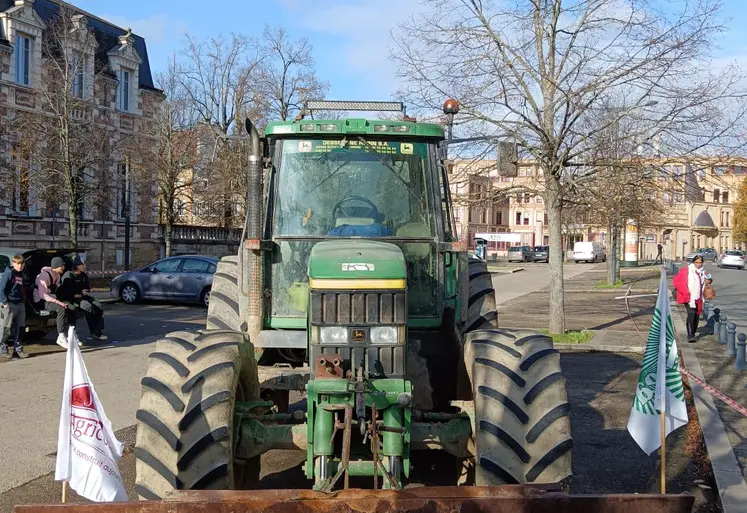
x=534 y=277
x=731 y=290
x=29 y=413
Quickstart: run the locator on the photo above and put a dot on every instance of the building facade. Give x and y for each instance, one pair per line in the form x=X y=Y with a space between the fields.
x=116 y=94
x=696 y=197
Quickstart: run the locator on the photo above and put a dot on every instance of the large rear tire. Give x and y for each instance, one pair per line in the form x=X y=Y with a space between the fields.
x=185 y=423
x=481 y=310
x=522 y=415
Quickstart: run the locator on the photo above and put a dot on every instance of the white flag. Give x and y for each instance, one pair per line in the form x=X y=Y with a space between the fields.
x=88 y=453
x=660 y=382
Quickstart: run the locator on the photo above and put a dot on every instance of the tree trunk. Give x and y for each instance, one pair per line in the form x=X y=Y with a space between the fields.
x=168 y=231
x=610 y=255
x=72 y=212
x=557 y=255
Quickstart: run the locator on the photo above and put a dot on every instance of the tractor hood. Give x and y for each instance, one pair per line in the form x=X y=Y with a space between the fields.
x=356 y=259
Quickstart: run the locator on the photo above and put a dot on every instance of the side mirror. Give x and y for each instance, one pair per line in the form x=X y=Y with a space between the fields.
x=507 y=159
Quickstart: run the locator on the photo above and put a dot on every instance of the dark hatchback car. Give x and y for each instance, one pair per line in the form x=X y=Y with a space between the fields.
x=541 y=254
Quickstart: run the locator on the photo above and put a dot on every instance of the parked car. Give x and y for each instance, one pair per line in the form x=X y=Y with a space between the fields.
x=519 y=254
x=708 y=254
x=541 y=254
x=589 y=252
x=732 y=258
x=38 y=320
x=179 y=278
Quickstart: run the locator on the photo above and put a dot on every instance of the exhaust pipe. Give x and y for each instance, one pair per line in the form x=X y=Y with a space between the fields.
x=250 y=256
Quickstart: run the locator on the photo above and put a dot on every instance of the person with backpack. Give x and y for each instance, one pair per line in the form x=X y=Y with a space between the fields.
x=47 y=283
x=690 y=284
x=75 y=288
x=12 y=308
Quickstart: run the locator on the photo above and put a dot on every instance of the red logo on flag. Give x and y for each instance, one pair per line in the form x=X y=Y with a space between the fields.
x=81 y=396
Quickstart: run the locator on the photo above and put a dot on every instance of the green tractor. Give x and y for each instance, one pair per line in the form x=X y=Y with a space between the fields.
x=351 y=288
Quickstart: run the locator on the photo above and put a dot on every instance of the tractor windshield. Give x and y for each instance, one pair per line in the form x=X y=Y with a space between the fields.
x=353 y=187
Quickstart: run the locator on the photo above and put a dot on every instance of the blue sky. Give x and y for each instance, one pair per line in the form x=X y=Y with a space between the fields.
x=350 y=37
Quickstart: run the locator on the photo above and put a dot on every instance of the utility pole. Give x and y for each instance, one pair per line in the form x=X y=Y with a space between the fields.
x=127 y=215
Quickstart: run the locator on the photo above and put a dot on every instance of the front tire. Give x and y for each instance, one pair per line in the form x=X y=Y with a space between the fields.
x=522 y=413
x=129 y=293
x=185 y=422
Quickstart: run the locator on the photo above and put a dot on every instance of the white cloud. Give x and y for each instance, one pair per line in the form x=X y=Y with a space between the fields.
x=156 y=29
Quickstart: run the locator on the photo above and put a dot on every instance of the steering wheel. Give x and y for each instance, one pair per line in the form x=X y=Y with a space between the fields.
x=372 y=211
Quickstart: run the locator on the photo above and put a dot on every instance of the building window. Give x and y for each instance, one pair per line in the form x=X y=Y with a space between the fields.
x=725 y=197
x=499 y=218
x=720 y=170
x=716 y=195
x=77 y=68
x=124 y=90
x=544 y=218
x=505 y=179
x=123 y=183
x=518 y=217
x=526 y=219
x=23 y=59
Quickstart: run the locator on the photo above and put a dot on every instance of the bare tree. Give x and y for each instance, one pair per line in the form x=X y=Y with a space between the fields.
x=289 y=77
x=221 y=79
x=176 y=156
x=67 y=136
x=533 y=70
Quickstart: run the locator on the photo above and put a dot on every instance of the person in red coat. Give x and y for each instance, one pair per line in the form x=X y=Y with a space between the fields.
x=689 y=283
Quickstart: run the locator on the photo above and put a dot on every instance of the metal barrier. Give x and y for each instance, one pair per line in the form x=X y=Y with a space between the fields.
x=726 y=334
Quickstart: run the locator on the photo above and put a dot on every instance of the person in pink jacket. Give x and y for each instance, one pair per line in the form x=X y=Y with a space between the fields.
x=689 y=283
x=44 y=296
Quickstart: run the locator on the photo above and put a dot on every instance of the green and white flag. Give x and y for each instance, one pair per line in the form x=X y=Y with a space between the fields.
x=660 y=379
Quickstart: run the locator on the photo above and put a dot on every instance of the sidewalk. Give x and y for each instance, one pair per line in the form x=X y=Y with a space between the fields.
x=724 y=429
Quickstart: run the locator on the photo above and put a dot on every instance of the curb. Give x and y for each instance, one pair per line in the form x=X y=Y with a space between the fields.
x=598 y=348
x=732 y=488
x=505 y=271
x=608 y=291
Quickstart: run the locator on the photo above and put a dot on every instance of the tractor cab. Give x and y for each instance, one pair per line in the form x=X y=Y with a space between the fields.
x=356 y=179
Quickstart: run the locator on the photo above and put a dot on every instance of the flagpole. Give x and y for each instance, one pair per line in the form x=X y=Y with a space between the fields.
x=663 y=451
x=64 y=492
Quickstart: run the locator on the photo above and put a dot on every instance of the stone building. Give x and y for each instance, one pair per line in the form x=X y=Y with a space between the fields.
x=115 y=84
x=697 y=198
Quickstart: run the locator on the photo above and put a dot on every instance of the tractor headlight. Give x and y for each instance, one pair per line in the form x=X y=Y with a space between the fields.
x=333 y=335
x=384 y=335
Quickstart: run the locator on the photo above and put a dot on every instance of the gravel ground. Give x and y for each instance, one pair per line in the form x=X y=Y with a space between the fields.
x=605 y=458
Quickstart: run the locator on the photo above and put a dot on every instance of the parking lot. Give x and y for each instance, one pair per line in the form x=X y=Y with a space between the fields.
x=125 y=323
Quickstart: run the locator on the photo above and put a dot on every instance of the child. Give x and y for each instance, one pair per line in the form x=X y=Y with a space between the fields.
x=13 y=307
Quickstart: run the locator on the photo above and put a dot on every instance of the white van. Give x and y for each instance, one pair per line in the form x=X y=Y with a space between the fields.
x=589 y=252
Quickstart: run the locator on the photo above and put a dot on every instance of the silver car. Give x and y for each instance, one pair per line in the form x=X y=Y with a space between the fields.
x=732 y=258
x=181 y=278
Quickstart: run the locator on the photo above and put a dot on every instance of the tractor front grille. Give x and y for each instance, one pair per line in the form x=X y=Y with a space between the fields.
x=361 y=310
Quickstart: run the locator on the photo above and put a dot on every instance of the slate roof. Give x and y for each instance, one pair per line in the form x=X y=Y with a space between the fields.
x=105 y=33
x=704 y=220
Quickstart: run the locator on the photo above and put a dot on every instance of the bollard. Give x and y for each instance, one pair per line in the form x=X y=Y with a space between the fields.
x=716 y=322
x=740 y=363
x=722 y=330
x=706 y=310
x=731 y=333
